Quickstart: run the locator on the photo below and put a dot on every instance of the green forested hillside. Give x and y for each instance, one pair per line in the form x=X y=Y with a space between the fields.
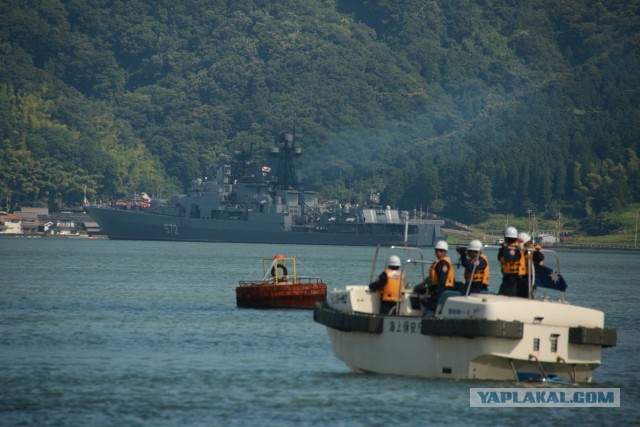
x=463 y=107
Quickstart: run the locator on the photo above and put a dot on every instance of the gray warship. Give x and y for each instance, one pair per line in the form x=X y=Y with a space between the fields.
x=247 y=203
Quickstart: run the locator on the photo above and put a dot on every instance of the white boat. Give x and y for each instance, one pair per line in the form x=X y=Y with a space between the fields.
x=474 y=336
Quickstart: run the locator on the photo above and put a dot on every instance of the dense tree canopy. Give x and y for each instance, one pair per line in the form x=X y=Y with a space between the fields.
x=464 y=107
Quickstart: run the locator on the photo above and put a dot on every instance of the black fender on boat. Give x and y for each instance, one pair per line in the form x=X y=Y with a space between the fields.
x=347 y=322
x=370 y=323
x=471 y=328
x=605 y=337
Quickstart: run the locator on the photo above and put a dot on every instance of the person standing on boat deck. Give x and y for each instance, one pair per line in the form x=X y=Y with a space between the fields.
x=532 y=251
x=441 y=276
x=512 y=263
x=390 y=283
x=532 y=256
x=475 y=263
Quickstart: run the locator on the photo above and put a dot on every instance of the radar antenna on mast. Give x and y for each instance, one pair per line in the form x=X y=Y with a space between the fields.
x=244 y=164
x=286 y=178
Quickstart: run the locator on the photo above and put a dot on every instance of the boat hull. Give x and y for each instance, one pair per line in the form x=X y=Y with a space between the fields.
x=446 y=357
x=300 y=296
x=464 y=348
x=124 y=224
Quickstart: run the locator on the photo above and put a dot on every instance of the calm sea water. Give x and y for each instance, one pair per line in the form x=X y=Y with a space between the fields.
x=109 y=333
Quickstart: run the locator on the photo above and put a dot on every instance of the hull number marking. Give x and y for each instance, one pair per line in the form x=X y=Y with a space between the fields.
x=171 y=229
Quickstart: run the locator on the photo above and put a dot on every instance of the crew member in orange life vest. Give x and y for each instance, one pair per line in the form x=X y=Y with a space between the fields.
x=441 y=276
x=512 y=263
x=532 y=256
x=531 y=250
x=476 y=263
x=390 y=283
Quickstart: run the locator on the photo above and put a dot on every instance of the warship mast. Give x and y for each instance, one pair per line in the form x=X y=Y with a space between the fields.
x=286 y=178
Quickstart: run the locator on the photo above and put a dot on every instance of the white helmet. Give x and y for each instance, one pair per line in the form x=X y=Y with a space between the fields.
x=475 y=245
x=441 y=244
x=394 y=261
x=510 y=233
x=523 y=238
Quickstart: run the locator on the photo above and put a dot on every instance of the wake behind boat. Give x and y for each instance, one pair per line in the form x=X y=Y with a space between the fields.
x=473 y=336
x=248 y=203
x=281 y=286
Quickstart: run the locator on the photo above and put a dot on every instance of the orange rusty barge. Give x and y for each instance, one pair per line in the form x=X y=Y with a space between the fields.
x=281 y=287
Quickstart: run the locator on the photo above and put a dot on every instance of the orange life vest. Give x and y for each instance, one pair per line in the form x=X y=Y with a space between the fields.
x=434 y=275
x=481 y=276
x=395 y=282
x=531 y=255
x=516 y=267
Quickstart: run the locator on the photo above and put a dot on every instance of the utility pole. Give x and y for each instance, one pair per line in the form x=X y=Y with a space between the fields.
x=635 y=239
